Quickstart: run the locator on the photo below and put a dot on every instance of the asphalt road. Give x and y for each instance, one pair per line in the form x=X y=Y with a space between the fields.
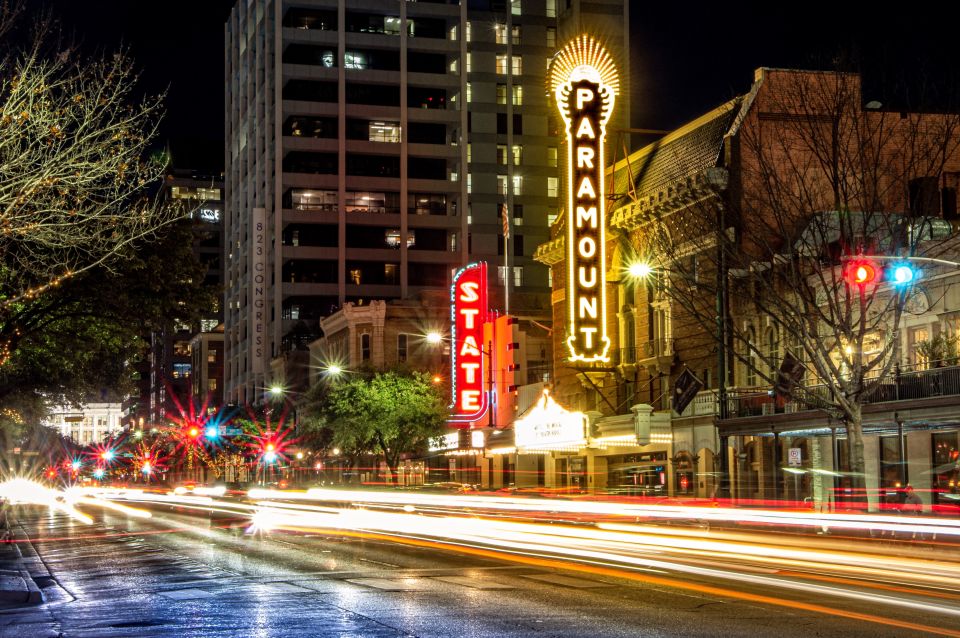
x=184 y=575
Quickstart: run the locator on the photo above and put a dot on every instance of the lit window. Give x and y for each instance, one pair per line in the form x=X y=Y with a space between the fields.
x=469 y=152
x=551 y=8
x=551 y=35
x=515 y=7
x=501 y=94
x=517 y=155
x=354 y=60
x=549 y=277
x=518 y=276
x=469 y=92
x=468 y=31
x=552 y=156
x=385 y=132
x=453 y=32
x=469 y=63
x=501 y=184
x=502 y=154
x=212 y=356
x=391 y=25
x=211 y=385
x=500 y=32
x=469 y=183
x=453 y=242
x=453 y=66
x=392 y=238
x=517 y=65
x=553 y=185
x=501 y=275
x=515 y=35
x=518 y=185
x=355 y=275
x=502 y=62
x=518 y=96
x=551 y=216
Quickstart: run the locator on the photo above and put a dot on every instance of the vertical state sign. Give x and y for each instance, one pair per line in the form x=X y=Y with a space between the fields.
x=584 y=82
x=468 y=313
x=258 y=297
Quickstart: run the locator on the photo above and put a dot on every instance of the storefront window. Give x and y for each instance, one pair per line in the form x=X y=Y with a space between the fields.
x=890 y=462
x=637 y=474
x=945 y=457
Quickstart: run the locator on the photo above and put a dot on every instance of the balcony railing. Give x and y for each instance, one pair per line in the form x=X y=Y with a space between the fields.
x=901 y=386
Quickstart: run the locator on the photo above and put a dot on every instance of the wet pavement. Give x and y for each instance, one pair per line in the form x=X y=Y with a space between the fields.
x=182 y=575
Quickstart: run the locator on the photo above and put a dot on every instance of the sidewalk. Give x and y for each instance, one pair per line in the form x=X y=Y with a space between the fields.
x=16 y=584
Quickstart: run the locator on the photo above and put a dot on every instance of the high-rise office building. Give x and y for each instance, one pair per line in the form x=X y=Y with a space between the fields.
x=372 y=149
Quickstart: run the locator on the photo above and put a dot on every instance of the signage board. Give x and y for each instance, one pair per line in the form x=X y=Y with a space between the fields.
x=468 y=314
x=445 y=442
x=584 y=82
x=547 y=425
x=258 y=297
x=794 y=457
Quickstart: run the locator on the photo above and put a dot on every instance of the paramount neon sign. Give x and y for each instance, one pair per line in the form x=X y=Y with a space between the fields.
x=469 y=310
x=584 y=82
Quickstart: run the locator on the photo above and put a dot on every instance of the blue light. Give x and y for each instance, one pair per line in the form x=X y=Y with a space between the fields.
x=269 y=457
x=75 y=465
x=212 y=432
x=903 y=274
x=98 y=473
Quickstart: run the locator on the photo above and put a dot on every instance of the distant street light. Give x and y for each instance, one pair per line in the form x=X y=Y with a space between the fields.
x=276 y=390
x=434 y=338
x=640 y=269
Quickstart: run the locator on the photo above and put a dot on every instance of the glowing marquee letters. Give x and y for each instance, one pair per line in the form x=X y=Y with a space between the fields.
x=584 y=84
x=468 y=313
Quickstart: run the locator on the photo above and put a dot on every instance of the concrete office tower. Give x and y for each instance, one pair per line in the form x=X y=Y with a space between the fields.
x=370 y=149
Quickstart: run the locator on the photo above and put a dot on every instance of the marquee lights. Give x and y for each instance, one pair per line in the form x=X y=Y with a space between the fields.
x=584 y=82
x=469 y=310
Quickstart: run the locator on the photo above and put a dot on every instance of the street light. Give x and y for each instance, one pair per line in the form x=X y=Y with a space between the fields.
x=640 y=269
x=434 y=338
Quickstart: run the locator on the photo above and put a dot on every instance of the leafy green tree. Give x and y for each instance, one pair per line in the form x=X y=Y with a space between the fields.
x=386 y=413
x=76 y=340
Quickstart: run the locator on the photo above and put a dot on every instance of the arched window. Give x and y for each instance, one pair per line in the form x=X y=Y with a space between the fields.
x=752 y=360
x=771 y=350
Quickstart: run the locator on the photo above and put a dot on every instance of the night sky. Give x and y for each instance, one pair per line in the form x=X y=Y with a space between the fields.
x=686 y=57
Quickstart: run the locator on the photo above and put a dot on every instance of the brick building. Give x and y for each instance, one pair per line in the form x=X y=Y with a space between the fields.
x=661 y=331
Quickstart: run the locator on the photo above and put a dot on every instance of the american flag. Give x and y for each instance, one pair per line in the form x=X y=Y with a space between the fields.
x=506 y=220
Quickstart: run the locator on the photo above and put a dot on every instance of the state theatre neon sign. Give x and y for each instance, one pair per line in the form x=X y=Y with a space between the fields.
x=584 y=82
x=468 y=314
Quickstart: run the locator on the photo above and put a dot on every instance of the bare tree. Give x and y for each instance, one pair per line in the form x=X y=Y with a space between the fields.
x=75 y=175
x=816 y=181
x=78 y=186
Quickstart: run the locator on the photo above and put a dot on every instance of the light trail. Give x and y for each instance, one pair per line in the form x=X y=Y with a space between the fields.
x=732 y=562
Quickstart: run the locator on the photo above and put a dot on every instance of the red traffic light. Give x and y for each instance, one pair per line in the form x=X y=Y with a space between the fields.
x=860 y=273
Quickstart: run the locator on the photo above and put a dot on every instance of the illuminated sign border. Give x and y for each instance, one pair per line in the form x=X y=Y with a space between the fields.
x=481 y=317
x=584 y=82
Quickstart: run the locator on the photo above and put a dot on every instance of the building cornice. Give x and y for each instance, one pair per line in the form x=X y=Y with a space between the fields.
x=677 y=195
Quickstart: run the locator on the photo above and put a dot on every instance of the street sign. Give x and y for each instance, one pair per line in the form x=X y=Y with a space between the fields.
x=794 y=457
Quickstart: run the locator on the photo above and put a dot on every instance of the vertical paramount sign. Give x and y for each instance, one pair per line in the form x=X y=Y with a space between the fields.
x=468 y=310
x=584 y=82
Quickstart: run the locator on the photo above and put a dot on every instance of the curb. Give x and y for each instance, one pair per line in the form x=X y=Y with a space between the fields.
x=16 y=582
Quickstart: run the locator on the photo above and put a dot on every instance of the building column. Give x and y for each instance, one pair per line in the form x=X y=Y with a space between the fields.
x=920 y=459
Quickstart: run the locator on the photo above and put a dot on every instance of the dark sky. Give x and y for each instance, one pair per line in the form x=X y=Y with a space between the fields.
x=687 y=57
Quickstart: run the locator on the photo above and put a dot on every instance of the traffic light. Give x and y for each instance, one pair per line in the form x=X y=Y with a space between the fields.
x=903 y=274
x=860 y=273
